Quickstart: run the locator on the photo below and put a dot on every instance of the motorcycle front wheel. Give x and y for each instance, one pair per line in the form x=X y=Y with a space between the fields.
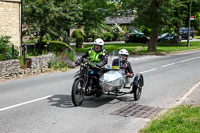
x=77 y=93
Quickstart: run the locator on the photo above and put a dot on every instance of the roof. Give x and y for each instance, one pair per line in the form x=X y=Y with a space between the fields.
x=119 y=20
x=11 y=0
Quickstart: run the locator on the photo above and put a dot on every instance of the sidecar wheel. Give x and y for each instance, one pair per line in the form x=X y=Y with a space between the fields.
x=137 y=90
x=77 y=92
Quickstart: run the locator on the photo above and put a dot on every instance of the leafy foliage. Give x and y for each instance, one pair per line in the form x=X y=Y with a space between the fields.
x=58 y=46
x=78 y=34
x=117 y=31
x=58 y=65
x=107 y=36
x=6 y=48
x=156 y=15
x=94 y=12
x=50 y=18
x=63 y=61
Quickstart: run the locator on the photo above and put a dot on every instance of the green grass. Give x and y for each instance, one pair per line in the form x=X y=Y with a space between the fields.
x=136 y=48
x=182 y=119
x=131 y=47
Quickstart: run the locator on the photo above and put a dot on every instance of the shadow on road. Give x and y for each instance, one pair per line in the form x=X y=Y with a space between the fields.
x=94 y=102
x=64 y=101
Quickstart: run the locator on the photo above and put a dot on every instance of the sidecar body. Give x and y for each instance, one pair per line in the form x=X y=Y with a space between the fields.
x=112 y=80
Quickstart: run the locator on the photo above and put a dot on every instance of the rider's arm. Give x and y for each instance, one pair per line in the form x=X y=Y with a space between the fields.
x=129 y=69
x=78 y=62
x=104 y=60
x=85 y=55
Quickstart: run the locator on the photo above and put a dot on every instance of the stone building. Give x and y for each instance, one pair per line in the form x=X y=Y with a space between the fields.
x=10 y=20
x=119 y=20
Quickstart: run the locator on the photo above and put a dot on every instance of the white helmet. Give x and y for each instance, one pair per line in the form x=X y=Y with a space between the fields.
x=123 y=52
x=99 y=41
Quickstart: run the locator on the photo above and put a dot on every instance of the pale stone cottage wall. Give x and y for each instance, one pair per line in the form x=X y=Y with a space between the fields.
x=10 y=20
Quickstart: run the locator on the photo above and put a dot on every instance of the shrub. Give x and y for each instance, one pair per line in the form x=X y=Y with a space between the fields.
x=78 y=34
x=6 y=49
x=79 y=40
x=62 y=61
x=58 y=46
x=58 y=65
x=65 y=54
x=68 y=57
x=107 y=36
x=117 y=31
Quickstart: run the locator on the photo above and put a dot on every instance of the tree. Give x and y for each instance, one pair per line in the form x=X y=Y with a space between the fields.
x=181 y=14
x=153 y=14
x=50 y=17
x=94 y=13
x=196 y=13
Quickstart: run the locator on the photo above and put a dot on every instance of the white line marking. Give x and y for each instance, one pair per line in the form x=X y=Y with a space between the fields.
x=148 y=70
x=17 y=105
x=169 y=65
x=189 y=59
x=187 y=94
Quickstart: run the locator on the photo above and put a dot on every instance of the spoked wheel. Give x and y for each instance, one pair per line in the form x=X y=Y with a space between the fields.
x=78 y=92
x=137 y=90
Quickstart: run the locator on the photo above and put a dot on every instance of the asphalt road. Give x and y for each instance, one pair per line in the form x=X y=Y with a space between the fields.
x=42 y=104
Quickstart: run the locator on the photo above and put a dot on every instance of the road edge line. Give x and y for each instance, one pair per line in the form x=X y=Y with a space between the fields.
x=183 y=98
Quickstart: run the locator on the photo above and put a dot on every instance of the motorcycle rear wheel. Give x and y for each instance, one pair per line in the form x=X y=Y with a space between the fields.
x=77 y=93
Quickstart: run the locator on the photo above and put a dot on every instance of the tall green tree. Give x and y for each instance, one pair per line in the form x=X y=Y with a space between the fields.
x=153 y=14
x=156 y=15
x=50 y=17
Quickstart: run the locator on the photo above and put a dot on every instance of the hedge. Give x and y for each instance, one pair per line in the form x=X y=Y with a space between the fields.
x=58 y=46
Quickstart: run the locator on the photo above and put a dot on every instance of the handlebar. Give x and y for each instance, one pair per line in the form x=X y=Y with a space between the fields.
x=85 y=62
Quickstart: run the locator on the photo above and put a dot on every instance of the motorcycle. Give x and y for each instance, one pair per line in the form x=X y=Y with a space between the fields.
x=91 y=80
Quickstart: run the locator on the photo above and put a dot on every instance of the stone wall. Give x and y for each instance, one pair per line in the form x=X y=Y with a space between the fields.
x=10 y=20
x=40 y=63
x=8 y=69
x=11 y=68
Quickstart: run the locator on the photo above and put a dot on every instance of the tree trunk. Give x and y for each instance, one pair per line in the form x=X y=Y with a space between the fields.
x=40 y=44
x=177 y=36
x=153 y=39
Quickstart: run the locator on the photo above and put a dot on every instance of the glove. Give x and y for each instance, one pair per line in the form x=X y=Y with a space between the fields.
x=130 y=75
x=78 y=62
x=83 y=60
x=99 y=65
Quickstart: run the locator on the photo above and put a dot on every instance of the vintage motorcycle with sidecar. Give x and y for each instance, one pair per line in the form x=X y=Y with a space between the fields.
x=91 y=80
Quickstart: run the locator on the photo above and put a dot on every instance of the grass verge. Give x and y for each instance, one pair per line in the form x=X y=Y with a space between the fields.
x=181 y=119
x=141 y=49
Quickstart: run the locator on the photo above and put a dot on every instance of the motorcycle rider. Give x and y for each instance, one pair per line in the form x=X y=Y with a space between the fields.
x=122 y=63
x=97 y=55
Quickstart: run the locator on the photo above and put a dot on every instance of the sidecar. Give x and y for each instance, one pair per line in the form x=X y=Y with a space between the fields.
x=114 y=80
